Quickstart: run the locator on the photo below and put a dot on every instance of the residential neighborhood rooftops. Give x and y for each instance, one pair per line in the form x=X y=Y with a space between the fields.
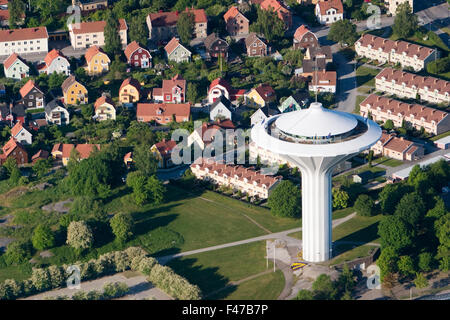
x=91 y=52
x=165 y=146
x=7 y=35
x=132 y=47
x=9 y=147
x=103 y=99
x=252 y=37
x=326 y=5
x=163 y=109
x=160 y=19
x=96 y=26
x=68 y=82
x=84 y=150
x=265 y=91
x=398 y=144
x=232 y=13
x=327 y=78
x=16 y=129
x=130 y=81
x=301 y=31
x=52 y=55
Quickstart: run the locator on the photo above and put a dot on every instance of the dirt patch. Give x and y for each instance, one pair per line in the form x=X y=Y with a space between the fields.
x=4 y=243
x=60 y=206
x=12 y=194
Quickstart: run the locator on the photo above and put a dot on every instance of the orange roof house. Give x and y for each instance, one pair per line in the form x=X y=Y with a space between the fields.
x=130 y=91
x=236 y=22
x=163 y=151
x=163 y=113
x=55 y=61
x=15 y=67
x=15 y=150
x=97 y=61
x=282 y=12
x=62 y=151
x=138 y=56
x=104 y=109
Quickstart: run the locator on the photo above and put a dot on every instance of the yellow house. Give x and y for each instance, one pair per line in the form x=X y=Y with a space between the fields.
x=104 y=109
x=130 y=91
x=74 y=92
x=97 y=61
x=260 y=96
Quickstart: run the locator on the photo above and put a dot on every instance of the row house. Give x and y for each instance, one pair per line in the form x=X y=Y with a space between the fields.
x=412 y=86
x=220 y=87
x=385 y=50
x=62 y=151
x=74 y=92
x=176 y=52
x=417 y=116
x=397 y=148
x=104 y=109
x=137 y=56
x=55 y=61
x=236 y=22
x=163 y=113
x=256 y=46
x=247 y=180
x=280 y=9
x=14 y=149
x=304 y=38
x=216 y=47
x=85 y=34
x=162 y=26
x=172 y=91
x=55 y=113
x=23 y=41
x=130 y=91
x=329 y=11
x=31 y=95
x=162 y=151
x=324 y=81
x=15 y=67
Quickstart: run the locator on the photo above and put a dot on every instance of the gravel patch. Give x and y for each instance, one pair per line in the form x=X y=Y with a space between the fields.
x=60 y=207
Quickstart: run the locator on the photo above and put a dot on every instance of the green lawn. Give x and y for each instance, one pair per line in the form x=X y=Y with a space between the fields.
x=359 y=99
x=264 y=287
x=365 y=76
x=442 y=135
x=388 y=162
x=213 y=270
x=349 y=252
x=358 y=229
x=14 y=272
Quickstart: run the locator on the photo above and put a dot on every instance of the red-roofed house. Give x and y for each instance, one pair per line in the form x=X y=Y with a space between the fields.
x=138 y=56
x=163 y=113
x=323 y=81
x=15 y=150
x=176 y=51
x=220 y=87
x=97 y=60
x=281 y=10
x=55 y=61
x=236 y=22
x=172 y=91
x=62 y=151
x=21 y=134
x=163 y=152
x=85 y=34
x=128 y=159
x=260 y=96
x=40 y=155
x=162 y=26
x=397 y=148
x=130 y=91
x=329 y=11
x=303 y=38
x=104 y=109
x=32 y=96
x=205 y=134
x=25 y=40
x=15 y=67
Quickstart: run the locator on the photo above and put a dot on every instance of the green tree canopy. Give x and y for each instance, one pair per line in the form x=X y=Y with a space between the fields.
x=268 y=24
x=343 y=32
x=411 y=208
x=185 y=27
x=113 y=45
x=405 y=22
x=122 y=226
x=364 y=205
x=394 y=233
x=43 y=237
x=285 y=200
x=340 y=198
x=79 y=235
x=138 y=31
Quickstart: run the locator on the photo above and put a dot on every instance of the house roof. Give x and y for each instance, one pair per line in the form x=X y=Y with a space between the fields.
x=399 y=46
x=84 y=150
x=52 y=55
x=27 y=87
x=210 y=39
x=232 y=13
x=10 y=146
x=252 y=37
x=221 y=100
x=52 y=105
x=96 y=26
x=4 y=14
x=132 y=47
x=310 y=66
x=320 y=51
x=274 y=4
x=265 y=91
x=220 y=81
x=301 y=31
x=325 y=78
x=130 y=81
x=11 y=59
x=208 y=129
x=411 y=79
x=41 y=154
x=177 y=80
x=172 y=45
x=70 y=80
x=161 y=19
x=405 y=109
x=165 y=147
x=326 y=5
x=163 y=109
x=103 y=99
x=16 y=129
x=8 y=35
x=269 y=111
x=92 y=51
x=398 y=144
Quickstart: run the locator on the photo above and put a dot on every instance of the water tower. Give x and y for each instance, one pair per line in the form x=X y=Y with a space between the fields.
x=316 y=140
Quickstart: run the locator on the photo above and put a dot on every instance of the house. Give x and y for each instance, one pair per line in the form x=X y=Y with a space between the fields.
x=247 y=180
x=23 y=41
x=220 y=109
x=162 y=151
x=40 y=155
x=281 y=10
x=324 y=81
x=297 y=101
x=408 y=55
x=256 y=47
x=85 y=34
x=260 y=96
x=362 y=177
x=55 y=61
x=90 y=5
x=15 y=67
x=104 y=109
x=15 y=150
x=128 y=159
x=130 y=91
x=397 y=148
x=329 y=11
x=55 y=113
x=162 y=26
x=262 y=114
x=62 y=151
x=37 y=124
x=31 y=96
x=163 y=113
x=137 y=56
x=303 y=38
x=443 y=143
x=236 y=22
x=74 y=92
x=216 y=47
x=175 y=51
x=311 y=66
x=220 y=87
x=21 y=134
x=172 y=91
x=382 y=108
x=393 y=4
x=205 y=135
x=412 y=86
x=12 y=113
x=320 y=52
x=97 y=61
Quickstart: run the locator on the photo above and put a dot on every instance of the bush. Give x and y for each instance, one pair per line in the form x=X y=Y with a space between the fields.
x=285 y=200
x=122 y=226
x=364 y=205
x=42 y=237
x=18 y=252
x=114 y=290
x=426 y=261
x=40 y=279
x=79 y=235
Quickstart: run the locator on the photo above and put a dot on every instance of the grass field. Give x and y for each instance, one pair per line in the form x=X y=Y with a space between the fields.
x=388 y=162
x=358 y=229
x=442 y=135
x=365 y=76
x=349 y=252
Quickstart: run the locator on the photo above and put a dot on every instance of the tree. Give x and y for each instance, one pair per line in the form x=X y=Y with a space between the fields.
x=269 y=24
x=405 y=22
x=395 y=233
x=18 y=252
x=406 y=266
x=79 y=235
x=370 y=158
x=323 y=288
x=192 y=93
x=420 y=282
x=41 y=167
x=364 y=205
x=144 y=160
x=113 y=44
x=340 y=198
x=137 y=31
x=390 y=196
x=285 y=200
x=425 y=261
x=16 y=10
x=439 y=66
x=43 y=237
x=304 y=295
x=137 y=181
x=343 y=32
x=10 y=165
x=387 y=262
x=185 y=27
x=411 y=208
x=122 y=226
x=155 y=187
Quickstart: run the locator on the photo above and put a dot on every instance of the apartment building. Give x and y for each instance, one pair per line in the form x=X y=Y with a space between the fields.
x=23 y=41
x=417 y=116
x=385 y=50
x=84 y=34
x=412 y=86
x=247 y=180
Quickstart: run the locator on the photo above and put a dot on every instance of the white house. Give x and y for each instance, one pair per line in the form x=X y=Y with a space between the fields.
x=21 y=134
x=55 y=62
x=221 y=109
x=323 y=81
x=55 y=113
x=177 y=52
x=15 y=67
x=26 y=40
x=329 y=11
x=262 y=114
